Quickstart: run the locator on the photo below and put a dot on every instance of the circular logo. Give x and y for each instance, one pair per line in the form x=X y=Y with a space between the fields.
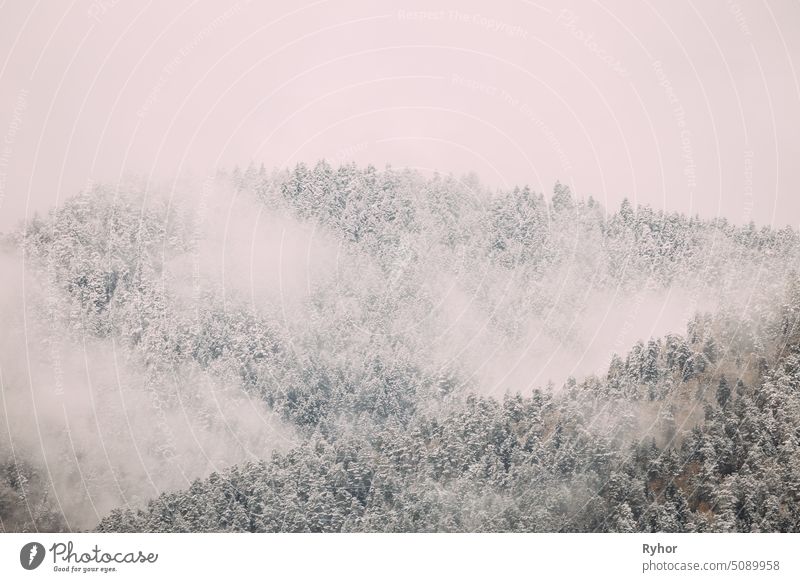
x=31 y=555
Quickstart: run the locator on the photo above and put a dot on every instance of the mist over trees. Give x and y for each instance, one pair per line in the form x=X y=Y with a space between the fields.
x=352 y=349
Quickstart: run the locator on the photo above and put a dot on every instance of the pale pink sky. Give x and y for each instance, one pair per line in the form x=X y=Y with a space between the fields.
x=686 y=106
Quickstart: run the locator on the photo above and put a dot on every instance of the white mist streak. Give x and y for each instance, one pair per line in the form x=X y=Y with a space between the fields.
x=107 y=431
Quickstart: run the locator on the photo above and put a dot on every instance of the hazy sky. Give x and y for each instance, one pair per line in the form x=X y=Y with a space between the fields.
x=686 y=106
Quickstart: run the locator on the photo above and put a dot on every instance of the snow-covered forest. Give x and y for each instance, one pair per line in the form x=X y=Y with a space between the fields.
x=350 y=349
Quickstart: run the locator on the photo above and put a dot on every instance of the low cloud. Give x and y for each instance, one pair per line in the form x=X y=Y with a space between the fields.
x=104 y=429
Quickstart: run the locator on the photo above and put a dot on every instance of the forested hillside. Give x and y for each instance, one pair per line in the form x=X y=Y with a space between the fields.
x=367 y=350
